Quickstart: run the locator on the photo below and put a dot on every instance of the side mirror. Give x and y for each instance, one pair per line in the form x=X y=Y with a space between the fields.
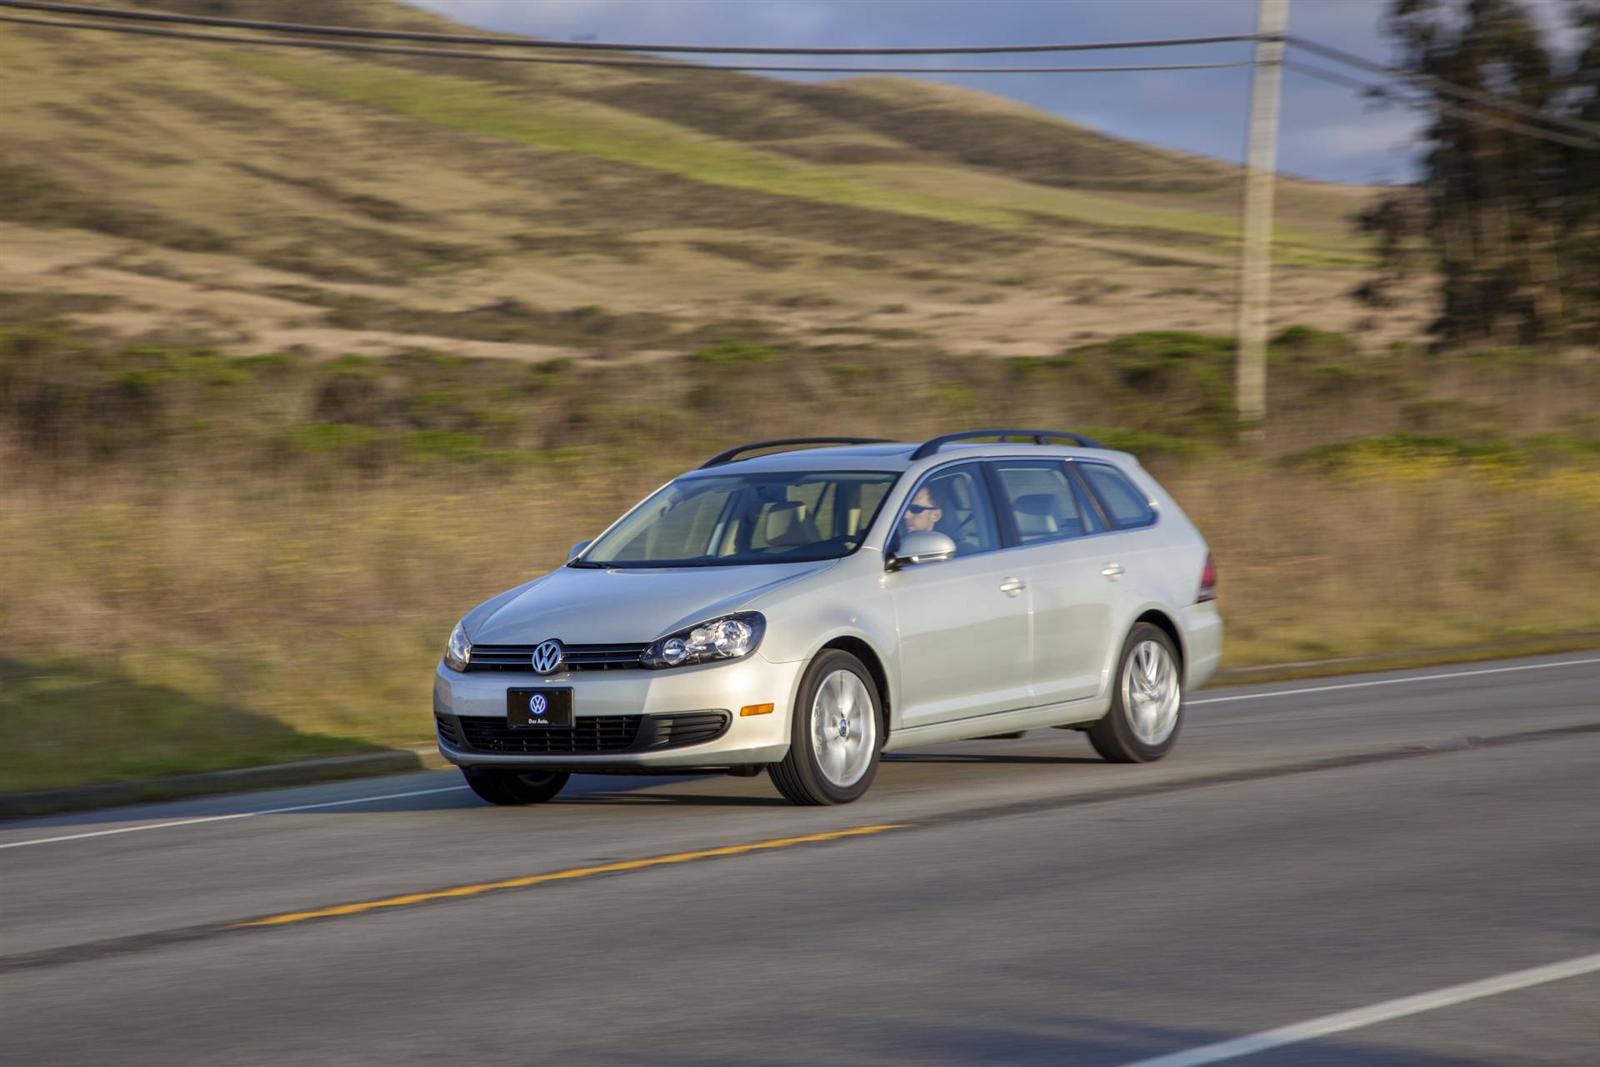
x=572 y=553
x=921 y=546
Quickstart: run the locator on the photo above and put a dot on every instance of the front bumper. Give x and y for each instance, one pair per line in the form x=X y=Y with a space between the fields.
x=599 y=698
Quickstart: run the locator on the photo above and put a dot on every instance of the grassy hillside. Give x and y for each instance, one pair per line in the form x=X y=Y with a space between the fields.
x=233 y=194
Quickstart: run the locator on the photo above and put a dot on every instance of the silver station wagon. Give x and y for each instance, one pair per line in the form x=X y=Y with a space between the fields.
x=804 y=609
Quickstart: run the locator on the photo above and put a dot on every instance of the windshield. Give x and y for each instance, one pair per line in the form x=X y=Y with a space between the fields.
x=718 y=520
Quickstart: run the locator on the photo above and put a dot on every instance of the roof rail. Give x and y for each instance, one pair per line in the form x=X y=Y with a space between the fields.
x=728 y=457
x=1040 y=437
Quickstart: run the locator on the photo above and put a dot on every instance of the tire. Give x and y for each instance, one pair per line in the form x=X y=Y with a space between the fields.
x=1146 y=700
x=836 y=691
x=499 y=786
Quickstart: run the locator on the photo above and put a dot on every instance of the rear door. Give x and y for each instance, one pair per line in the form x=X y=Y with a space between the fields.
x=1060 y=545
x=1131 y=555
x=964 y=628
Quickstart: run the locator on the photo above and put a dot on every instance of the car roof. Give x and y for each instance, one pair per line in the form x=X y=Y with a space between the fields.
x=889 y=456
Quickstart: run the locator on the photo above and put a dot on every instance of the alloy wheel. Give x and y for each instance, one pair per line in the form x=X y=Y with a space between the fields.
x=844 y=728
x=1151 y=692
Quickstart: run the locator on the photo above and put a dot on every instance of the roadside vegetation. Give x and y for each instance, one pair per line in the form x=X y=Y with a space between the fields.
x=216 y=560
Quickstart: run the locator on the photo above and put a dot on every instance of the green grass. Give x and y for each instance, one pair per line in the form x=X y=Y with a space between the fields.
x=565 y=125
x=1220 y=231
x=86 y=723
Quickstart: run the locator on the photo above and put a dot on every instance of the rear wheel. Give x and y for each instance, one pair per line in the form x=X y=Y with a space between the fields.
x=836 y=733
x=500 y=786
x=1147 y=705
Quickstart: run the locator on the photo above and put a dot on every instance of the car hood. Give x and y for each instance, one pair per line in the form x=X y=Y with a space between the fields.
x=581 y=605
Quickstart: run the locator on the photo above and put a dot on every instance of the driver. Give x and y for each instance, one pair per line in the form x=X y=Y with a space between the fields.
x=922 y=513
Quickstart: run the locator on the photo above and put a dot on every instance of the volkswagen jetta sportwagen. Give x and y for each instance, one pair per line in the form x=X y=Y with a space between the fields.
x=803 y=610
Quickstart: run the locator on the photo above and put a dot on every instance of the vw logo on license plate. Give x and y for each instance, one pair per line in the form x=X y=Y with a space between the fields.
x=538 y=704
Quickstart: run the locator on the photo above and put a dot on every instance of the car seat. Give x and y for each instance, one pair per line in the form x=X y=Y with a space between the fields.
x=786 y=525
x=1042 y=515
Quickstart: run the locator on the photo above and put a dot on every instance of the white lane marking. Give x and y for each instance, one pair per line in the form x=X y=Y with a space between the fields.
x=1394 y=681
x=223 y=818
x=1376 y=1013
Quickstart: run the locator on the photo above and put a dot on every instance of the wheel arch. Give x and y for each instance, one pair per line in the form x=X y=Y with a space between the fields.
x=1167 y=624
x=870 y=659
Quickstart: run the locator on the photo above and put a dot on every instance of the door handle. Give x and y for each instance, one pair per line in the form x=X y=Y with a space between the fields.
x=1112 y=571
x=1012 y=586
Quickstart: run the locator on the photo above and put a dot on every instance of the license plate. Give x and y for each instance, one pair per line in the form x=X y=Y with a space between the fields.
x=537 y=708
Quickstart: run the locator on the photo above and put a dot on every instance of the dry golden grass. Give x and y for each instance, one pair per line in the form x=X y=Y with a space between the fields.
x=1397 y=558
x=290 y=619
x=212 y=562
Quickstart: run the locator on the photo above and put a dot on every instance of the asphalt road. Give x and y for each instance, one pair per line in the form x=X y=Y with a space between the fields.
x=1311 y=849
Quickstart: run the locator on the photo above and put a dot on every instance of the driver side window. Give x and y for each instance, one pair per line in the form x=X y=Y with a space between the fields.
x=954 y=502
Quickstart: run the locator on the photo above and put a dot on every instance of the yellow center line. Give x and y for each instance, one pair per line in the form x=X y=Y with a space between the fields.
x=559 y=876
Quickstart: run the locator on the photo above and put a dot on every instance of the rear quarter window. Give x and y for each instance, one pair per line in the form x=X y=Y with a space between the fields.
x=1125 y=503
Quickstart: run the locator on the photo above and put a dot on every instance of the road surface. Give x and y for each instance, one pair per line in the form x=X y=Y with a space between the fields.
x=1387 y=869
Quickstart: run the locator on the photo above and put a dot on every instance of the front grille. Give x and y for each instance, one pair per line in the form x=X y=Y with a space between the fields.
x=447 y=731
x=574 y=657
x=587 y=735
x=673 y=731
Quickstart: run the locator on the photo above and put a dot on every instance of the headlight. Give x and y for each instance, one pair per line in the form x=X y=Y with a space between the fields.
x=459 y=650
x=727 y=637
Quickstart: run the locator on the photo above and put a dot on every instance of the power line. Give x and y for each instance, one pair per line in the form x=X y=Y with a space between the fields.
x=1339 y=55
x=439 y=53
x=598 y=46
x=649 y=64
x=1467 y=114
x=1483 y=99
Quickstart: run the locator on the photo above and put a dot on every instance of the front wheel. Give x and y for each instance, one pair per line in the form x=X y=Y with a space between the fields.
x=1147 y=704
x=835 y=736
x=500 y=786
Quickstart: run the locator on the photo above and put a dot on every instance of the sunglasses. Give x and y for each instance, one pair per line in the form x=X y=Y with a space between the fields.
x=918 y=509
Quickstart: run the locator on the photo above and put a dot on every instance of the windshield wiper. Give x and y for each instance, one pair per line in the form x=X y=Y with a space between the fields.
x=587 y=563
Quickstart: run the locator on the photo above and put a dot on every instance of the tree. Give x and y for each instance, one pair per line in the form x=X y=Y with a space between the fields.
x=1510 y=221
x=1582 y=238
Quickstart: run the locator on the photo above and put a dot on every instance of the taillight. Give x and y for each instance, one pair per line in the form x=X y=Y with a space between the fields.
x=1208 y=581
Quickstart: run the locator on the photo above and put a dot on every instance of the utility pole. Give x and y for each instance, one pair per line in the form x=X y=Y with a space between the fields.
x=1255 y=283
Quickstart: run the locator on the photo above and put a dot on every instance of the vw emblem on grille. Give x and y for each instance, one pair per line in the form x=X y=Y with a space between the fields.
x=538 y=705
x=547 y=656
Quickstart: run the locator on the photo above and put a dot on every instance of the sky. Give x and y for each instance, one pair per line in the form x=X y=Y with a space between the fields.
x=1327 y=132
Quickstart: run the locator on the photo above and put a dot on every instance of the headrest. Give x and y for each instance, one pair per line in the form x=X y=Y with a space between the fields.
x=785 y=524
x=1039 y=504
x=1038 y=513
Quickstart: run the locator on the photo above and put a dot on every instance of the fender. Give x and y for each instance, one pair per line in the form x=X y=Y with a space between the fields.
x=875 y=640
x=1108 y=669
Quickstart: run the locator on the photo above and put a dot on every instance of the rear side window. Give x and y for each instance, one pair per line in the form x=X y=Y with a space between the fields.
x=1041 y=501
x=1124 y=503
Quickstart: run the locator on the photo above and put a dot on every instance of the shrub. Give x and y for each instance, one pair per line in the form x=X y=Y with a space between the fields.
x=728 y=352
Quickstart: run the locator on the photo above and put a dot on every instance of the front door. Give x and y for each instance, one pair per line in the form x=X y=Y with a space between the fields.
x=965 y=633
